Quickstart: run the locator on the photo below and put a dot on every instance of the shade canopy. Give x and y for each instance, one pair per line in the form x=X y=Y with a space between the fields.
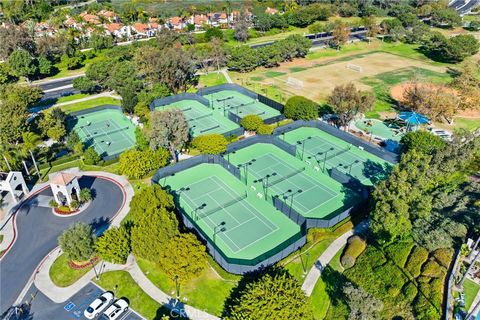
x=412 y=118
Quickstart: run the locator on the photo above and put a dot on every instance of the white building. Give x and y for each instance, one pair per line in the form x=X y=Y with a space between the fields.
x=13 y=183
x=65 y=188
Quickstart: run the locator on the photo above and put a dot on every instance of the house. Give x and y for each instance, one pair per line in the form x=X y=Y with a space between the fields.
x=118 y=30
x=110 y=16
x=71 y=23
x=200 y=20
x=271 y=11
x=90 y=18
x=145 y=29
x=217 y=18
x=44 y=29
x=175 y=23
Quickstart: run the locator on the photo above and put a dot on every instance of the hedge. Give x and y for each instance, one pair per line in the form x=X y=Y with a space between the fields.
x=399 y=252
x=410 y=291
x=62 y=160
x=355 y=247
x=433 y=270
x=444 y=256
x=417 y=258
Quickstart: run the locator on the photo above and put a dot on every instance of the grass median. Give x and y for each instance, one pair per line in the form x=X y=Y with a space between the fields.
x=62 y=275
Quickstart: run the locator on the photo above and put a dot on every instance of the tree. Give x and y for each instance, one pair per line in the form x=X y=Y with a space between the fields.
x=251 y=122
x=217 y=53
x=371 y=25
x=141 y=139
x=23 y=64
x=129 y=97
x=363 y=305
x=15 y=38
x=30 y=144
x=243 y=59
x=184 y=256
x=114 y=245
x=169 y=129
x=136 y=164
x=149 y=199
x=393 y=28
x=454 y=49
x=273 y=295
x=340 y=33
x=77 y=242
x=241 y=29
x=213 y=33
x=85 y=195
x=422 y=141
x=301 y=108
x=74 y=143
x=74 y=61
x=91 y=156
x=14 y=102
x=467 y=84
x=100 y=41
x=210 y=143
x=6 y=74
x=45 y=66
x=265 y=129
x=448 y=17
x=152 y=232
x=84 y=84
x=52 y=124
x=346 y=101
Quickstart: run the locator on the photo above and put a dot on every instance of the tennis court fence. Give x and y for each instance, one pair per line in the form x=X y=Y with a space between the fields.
x=291 y=149
x=334 y=131
x=178 y=97
x=227 y=86
x=233 y=117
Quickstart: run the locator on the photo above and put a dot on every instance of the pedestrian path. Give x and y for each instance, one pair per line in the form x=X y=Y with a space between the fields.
x=325 y=258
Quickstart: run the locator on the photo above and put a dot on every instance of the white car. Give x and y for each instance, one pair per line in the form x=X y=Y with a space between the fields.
x=98 y=305
x=115 y=310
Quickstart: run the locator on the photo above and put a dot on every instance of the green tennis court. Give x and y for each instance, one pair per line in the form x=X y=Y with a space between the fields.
x=239 y=104
x=109 y=131
x=240 y=224
x=202 y=120
x=325 y=152
x=271 y=172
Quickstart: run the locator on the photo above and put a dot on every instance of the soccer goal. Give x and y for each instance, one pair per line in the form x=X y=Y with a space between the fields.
x=354 y=67
x=294 y=83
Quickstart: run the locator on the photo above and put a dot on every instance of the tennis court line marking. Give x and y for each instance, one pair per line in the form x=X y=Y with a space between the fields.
x=255 y=216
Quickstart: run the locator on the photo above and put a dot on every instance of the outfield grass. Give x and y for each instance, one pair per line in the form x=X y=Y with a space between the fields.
x=69 y=108
x=471 y=290
x=128 y=288
x=62 y=275
x=206 y=292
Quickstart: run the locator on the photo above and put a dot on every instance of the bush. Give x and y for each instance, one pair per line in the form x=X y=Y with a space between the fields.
x=114 y=245
x=84 y=84
x=433 y=270
x=265 y=129
x=91 y=157
x=301 y=108
x=417 y=258
x=422 y=141
x=137 y=164
x=52 y=203
x=77 y=242
x=251 y=122
x=410 y=291
x=74 y=204
x=210 y=143
x=443 y=256
x=399 y=252
x=85 y=195
x=355 y=247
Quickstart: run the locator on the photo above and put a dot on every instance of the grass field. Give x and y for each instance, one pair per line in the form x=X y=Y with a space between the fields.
x=471 y=290
x=69 y=108
x=61 y=273
x=128 y=288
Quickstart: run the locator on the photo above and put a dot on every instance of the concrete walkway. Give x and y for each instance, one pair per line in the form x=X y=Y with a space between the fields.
x=95 y=96
x=324 y=259
x=227 y=76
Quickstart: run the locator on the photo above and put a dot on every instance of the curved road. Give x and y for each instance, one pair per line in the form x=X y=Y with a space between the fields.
x=38 y=229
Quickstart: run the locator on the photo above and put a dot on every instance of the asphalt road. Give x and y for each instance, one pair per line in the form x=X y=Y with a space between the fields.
x=38 y=229
x=56 y=84
x=73 y=308
x=59 y=93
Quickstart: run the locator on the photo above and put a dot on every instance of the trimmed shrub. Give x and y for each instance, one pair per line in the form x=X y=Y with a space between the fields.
x=251 y=122
x=301 y=108
x=444 y=256
x=265 y=129
x=410 y=291
x=399 y=252
x=91 y=157
x=355 y=247
x=417 y=258
x=210 y=143
x=433 y=270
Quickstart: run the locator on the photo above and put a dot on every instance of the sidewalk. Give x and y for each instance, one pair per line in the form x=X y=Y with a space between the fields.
x=316 y=271
x=103 y=94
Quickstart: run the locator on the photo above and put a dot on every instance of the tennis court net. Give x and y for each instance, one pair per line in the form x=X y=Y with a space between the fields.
x=285 y=177
x=222 y=206
x=211 y=128
x=338 y=153
x=201 y=117
x=104 y=133
x=186 y=109
x=241 y=105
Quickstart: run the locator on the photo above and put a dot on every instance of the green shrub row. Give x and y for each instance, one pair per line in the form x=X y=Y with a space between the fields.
x=355 y=247
x=416 y=260
x=399 y=251
x=59 y=161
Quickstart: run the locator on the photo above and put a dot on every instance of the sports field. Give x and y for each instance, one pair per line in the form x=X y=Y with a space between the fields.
x=229 y=214
x=201 y=119
x=272 y=172
x=324 y=151
x=239 y=104
x=109 y=131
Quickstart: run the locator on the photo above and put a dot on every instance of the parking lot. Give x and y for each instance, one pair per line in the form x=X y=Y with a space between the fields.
x=73 y=308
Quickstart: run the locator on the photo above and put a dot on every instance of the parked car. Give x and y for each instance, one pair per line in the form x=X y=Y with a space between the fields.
x=115 y=310
x=98 y=305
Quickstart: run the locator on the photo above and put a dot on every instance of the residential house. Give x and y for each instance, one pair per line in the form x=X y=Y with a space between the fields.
x=71 y=23
x=90 y=18
x=145 y=29
x=110 y=16
x=118 y=30
x=44 y=29
x=200 y=20
x=271 y=11
x=217 y=18
x=175 y=23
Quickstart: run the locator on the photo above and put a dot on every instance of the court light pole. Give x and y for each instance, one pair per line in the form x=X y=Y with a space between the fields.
x=302 y=142
x=195 y=217
x=291 y=201
x=351 y=165
x=245 y=168
x=325 y=158
x=215 y=231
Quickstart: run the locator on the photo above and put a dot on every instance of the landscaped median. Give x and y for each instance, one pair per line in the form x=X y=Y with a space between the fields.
x=63 y=275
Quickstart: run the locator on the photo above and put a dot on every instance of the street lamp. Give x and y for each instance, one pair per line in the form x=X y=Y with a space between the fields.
x=92 y=261
x=306 y=263
x=177 y=287
x=302 y=142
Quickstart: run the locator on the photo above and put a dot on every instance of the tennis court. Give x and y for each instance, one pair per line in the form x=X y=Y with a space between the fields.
x=109 y=131
x=219 y=204
x=325 y=152
x=202 y=120
x=239 y=104
x=273 y=172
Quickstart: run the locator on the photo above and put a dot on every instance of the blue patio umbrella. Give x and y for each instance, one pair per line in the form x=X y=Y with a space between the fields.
x=413 y=119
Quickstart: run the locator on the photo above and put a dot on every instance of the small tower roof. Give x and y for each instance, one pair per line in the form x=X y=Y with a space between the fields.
x=62 y=178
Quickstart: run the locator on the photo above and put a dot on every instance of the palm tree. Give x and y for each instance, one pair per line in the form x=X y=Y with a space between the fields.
x=30 y=142
x=10 y=156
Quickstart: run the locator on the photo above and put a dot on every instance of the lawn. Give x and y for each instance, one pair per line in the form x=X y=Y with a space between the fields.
x=62 y=275
x=318 y=241
x=112 y=168
x=211 y=79
x=206 y=292
x=471 y=290
x=1 y=238
x=320 y=300
x=89 y=104
x=138 y=299
x=62 y=99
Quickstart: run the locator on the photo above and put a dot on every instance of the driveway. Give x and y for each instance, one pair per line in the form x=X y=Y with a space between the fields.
x=38 y=229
